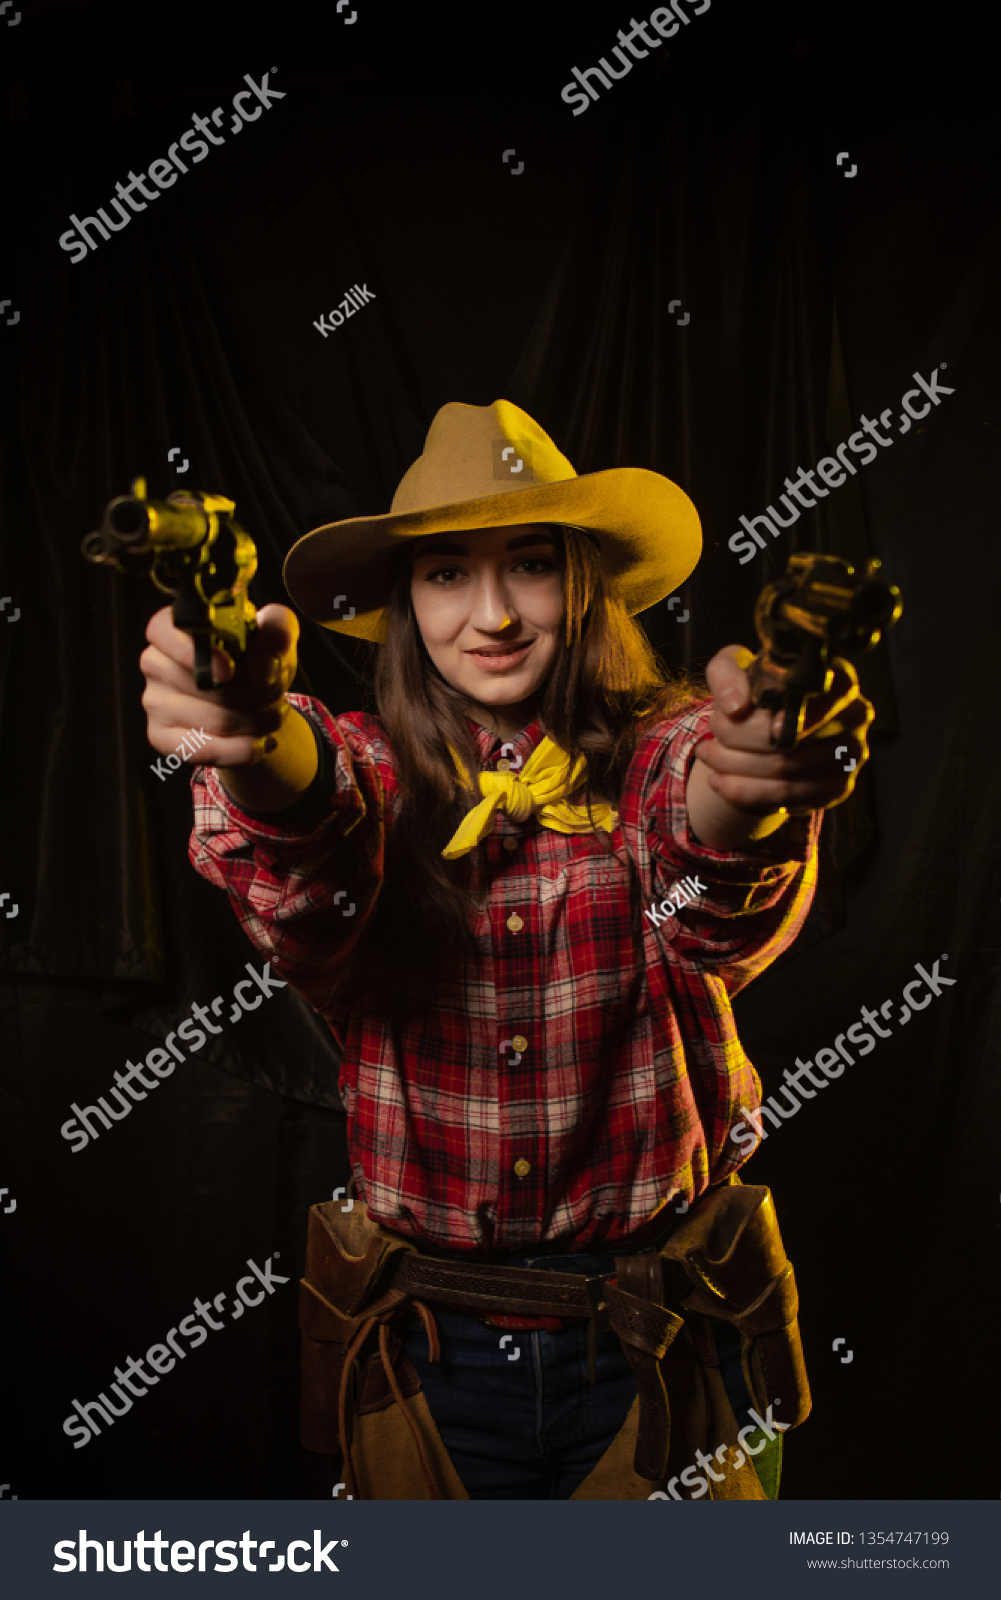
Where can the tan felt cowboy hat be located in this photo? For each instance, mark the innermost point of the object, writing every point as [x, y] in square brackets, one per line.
[490, 467]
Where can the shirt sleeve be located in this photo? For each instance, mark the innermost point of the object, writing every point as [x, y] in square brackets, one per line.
[304, 882]
[748, 905]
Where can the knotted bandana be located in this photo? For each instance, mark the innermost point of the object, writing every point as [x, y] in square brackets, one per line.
[538, 790]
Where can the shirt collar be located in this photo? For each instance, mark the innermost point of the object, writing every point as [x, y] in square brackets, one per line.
[489, 745]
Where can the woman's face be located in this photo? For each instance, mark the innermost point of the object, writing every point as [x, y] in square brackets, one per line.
[489, 605]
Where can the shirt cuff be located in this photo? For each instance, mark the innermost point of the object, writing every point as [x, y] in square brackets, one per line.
[309, 807]
[309, 815]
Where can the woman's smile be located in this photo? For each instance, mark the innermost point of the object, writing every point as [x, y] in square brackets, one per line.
[498, 657]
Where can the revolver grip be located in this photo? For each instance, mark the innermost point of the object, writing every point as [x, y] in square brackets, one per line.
[203, 661]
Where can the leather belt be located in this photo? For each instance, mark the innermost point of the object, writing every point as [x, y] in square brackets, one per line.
[644, 1325]
[510, 1291]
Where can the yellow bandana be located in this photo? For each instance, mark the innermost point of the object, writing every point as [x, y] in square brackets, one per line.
[539, 789]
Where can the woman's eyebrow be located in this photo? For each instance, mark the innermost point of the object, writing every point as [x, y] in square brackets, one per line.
[530, 538]
[442, 547]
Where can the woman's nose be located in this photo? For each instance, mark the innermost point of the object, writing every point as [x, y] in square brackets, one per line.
[492, 609]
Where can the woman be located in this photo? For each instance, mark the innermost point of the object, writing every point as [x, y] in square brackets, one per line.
[522, 896]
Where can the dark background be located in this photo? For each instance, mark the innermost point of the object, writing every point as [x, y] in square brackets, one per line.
[707, 175]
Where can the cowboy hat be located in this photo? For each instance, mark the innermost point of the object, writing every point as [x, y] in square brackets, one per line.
[490, 467]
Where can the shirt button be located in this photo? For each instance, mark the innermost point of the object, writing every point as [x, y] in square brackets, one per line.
[503, 764]
[519, 1042]
[510, 841]
[522, 1168]
[515, 924]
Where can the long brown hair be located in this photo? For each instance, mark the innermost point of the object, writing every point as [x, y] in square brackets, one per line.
[604, 686]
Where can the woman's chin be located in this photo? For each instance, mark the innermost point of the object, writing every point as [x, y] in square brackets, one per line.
[501, 691]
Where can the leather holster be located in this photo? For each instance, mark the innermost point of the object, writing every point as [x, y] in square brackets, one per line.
[348, 1258]
[725, 1260]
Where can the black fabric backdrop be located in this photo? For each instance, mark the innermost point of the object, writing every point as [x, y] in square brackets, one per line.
[707, 176]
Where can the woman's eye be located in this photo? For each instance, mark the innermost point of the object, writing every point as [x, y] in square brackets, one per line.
[443, 575]
[536, 564]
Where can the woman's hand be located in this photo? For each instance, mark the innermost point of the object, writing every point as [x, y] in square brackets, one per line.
[742, 787]
[265, 746]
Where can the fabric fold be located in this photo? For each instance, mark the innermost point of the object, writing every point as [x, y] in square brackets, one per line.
[539, 790]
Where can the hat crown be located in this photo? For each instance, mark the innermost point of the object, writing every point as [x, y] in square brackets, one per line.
[475, 451]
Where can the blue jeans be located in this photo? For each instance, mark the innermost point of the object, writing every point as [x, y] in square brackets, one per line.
[532, 1428]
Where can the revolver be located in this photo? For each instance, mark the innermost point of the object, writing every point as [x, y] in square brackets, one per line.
[194, 549]
[819, 610]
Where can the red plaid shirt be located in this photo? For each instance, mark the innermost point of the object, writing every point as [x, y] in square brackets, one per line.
[535, 1104]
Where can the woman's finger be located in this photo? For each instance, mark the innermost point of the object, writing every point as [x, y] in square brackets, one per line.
[179, 647]
[167, 710]
[804, 762]
[762, 797]
[727, 680]
[157, 666]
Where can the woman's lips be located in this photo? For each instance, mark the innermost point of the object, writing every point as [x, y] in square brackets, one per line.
[499, 661]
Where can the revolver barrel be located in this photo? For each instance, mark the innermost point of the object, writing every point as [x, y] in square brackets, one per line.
[134, 526]
[130, 521]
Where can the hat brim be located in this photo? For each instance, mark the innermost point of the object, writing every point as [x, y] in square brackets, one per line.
[647, 529]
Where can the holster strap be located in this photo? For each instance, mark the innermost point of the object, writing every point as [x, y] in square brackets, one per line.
[640, 1282]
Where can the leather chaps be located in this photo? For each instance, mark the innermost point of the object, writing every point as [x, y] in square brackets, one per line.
[362, 1399]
